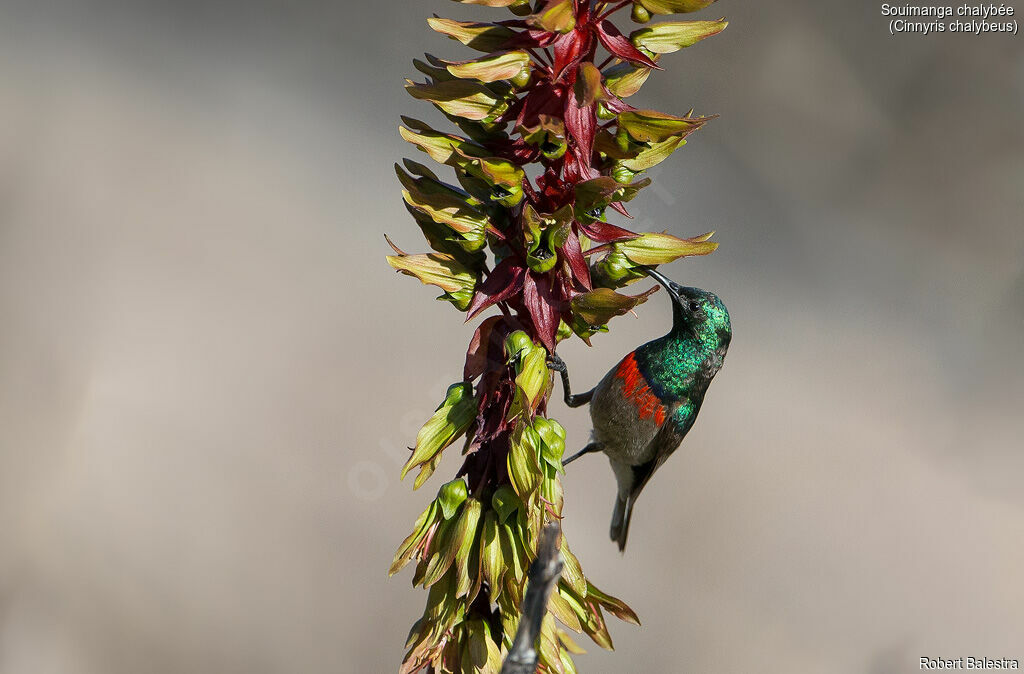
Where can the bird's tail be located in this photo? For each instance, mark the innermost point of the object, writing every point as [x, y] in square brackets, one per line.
[620, 521]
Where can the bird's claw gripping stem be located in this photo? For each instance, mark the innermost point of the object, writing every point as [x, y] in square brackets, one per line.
[558, 365]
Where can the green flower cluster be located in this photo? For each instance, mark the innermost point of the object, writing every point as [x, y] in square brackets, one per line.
[464, 544]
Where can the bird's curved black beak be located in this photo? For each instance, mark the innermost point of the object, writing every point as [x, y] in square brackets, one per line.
[669, 285]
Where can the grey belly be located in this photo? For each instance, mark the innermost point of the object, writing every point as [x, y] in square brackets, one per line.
[626, 438]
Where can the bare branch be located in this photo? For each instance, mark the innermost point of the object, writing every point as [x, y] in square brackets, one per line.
[544, 574]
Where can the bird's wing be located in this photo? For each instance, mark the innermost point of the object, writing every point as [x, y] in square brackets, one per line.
[665, 441]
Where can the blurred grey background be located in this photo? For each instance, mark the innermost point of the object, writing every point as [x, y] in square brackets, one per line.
[208, 374]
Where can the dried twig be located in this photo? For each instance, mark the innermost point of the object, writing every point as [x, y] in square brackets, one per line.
[544, 574]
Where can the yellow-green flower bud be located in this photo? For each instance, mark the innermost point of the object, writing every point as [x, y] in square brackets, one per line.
[640, 13]
[553, 148]
[543, 260]
[522, 78]
[473, 240]
[521, 8]
[557, 428]
[505, 502]
[543, 427]
[623, 174]
[614, 271]
[517, 342]
[564, 331]
[451, 495]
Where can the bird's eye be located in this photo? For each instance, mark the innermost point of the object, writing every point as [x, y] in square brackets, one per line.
[694, 307]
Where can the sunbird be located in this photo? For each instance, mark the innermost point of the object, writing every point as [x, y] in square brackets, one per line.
[644, 407]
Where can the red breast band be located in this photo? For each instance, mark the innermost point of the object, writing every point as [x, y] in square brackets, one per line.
[635, 388]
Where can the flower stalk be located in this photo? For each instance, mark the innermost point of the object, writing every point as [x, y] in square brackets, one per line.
[549, 92]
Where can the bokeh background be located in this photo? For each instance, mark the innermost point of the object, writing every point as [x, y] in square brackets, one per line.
[208, 375]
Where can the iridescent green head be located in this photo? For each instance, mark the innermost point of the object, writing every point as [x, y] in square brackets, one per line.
[697, 312]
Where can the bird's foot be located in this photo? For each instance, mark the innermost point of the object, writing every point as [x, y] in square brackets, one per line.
[592, 447]
[556, 363]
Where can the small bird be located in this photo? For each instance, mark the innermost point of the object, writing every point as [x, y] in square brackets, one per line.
[643, 408]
